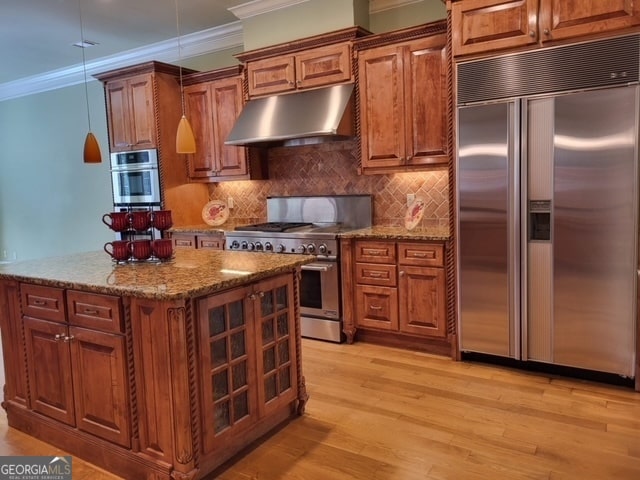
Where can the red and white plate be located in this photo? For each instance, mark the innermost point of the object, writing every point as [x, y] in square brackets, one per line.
[215, 213]
[414, 214]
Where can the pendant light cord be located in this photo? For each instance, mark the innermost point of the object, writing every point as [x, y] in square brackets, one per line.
[84, 63]
[179, 56]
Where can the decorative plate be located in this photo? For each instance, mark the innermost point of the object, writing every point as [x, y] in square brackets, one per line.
[414, 214]
[215, 213]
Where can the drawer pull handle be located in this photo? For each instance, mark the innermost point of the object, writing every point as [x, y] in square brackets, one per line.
[90, 311]
[375, 274]
[419, 255]
[375, 307]
[39, 303]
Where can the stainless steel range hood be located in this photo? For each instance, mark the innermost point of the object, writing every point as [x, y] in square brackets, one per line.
[312, 116]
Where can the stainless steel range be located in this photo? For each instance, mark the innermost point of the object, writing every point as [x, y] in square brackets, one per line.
[309, 225]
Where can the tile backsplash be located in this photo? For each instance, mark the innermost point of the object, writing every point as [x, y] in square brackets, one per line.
[331, 169]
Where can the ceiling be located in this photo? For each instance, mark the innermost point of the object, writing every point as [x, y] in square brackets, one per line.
[37, 36]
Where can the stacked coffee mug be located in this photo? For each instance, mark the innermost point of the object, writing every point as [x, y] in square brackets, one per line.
[123, 251]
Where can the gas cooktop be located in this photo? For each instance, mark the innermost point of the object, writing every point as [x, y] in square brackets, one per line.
[272, 226]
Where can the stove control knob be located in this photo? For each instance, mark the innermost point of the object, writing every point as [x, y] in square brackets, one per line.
[268, 247]
[244, 245]
[280, 248]
[252, 246]
[259, 246]
[311, 248]
[300, 249]
[234, 245]
[322, 249]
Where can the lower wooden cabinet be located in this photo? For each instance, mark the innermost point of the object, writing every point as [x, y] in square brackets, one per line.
[247, 346]
[399, 288]
[198, 240]
[77, 375]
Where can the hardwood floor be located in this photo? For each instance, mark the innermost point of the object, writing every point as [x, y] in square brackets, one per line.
[378, 413]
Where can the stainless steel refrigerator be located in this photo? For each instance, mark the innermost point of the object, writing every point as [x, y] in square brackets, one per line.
[547, 222]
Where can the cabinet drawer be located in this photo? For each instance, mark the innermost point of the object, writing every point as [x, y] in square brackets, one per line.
[376, 274]
[215, 242]
[182, 240]
[421, 254]
[43, 302]
[92, 310]
[376, 252]
[377, 307]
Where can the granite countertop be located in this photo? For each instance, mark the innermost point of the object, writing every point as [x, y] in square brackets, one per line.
[440, 234]
[191, 273]
[204, 228]
[380, 232]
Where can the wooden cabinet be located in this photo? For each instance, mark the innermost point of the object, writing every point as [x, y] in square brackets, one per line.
[214, 241]
[306, 69]
[403, 104]
[76, 360]
[130, 113]
[486, 25]
[212, 109]
[399, 288]
[248, 350]
[144, 107]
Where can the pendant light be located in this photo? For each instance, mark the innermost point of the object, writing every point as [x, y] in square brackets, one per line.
[185, 141]
[91, 148]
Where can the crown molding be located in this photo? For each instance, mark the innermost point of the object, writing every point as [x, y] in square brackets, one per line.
[377, 6]
[191, 45]
[258, 7]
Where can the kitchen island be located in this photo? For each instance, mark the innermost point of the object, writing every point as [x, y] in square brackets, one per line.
[152, 370]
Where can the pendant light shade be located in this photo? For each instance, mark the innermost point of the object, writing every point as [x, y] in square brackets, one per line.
[185, 141]
[91, 149]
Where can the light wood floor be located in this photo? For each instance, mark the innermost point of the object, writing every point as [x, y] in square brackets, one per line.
[378, 413]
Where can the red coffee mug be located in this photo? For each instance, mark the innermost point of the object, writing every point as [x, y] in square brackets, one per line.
[119, 221]
[161, 219]
[162, 248]
[119, 250]
[141, 220]
[140, 249]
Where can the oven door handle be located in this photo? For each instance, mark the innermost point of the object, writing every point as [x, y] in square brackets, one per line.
[318, 267]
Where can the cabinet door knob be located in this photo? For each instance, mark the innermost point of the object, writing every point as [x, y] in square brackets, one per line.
[401, 273]
[532, 34]
[546, 31]
[59, 336]
[68, 339]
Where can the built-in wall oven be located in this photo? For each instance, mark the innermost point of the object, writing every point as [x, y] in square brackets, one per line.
[135, 178]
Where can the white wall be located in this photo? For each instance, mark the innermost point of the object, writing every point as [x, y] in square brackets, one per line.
[50, 201]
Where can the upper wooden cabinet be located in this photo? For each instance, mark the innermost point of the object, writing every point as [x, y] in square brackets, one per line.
[130, 113]
[143, 105]
[212, 107]
[306, 63]
[403, 103]
[486, 25]
[307, 69]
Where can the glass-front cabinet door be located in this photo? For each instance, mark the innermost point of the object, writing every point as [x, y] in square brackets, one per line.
[247, 356]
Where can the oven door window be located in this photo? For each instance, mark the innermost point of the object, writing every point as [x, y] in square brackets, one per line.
[311, 289]
[135, 184]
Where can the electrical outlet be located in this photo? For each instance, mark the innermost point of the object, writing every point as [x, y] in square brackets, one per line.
[230, 202]
[410, 198]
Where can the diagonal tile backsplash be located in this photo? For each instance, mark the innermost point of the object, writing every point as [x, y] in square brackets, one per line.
[331, 169]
